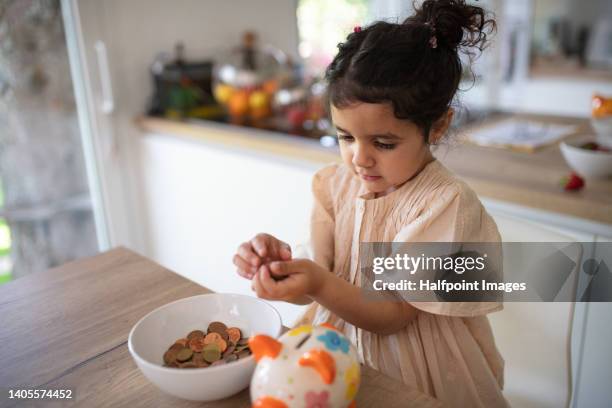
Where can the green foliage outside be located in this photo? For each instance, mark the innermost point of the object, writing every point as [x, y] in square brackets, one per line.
[5, 243]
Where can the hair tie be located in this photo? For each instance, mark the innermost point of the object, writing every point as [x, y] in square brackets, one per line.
[433, 40]
[357, 29]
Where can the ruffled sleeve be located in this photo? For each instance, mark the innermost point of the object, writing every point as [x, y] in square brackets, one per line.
[454, 215]
[322, 221]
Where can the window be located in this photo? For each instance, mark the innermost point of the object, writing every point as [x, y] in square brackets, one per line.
[322, 24]
[5, 244]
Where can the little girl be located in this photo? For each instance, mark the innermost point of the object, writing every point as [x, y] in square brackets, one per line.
[390, 89]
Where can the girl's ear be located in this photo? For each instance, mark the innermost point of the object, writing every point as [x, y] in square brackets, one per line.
[440, 127]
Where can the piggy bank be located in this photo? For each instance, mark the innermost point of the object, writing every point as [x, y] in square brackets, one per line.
[309, 366]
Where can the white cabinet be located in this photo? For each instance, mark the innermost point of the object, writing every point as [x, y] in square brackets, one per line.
[555, 336]
[594, 352]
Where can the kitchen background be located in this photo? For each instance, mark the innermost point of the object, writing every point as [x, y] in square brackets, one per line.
[114, 130]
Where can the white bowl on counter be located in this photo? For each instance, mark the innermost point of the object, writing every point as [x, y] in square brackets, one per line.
[603, 129]
[587, 163]
[154, 333]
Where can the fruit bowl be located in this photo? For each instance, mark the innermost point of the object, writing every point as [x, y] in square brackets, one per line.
[587, 158]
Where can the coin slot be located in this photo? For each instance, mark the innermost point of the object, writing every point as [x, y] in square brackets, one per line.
[302, 341]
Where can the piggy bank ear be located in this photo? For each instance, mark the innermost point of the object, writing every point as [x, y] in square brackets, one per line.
[322, 362]
[329, 326]
[268, 402]
[264, 346]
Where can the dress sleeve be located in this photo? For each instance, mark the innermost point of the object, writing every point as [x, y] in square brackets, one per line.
[322, 220]
[454, 215]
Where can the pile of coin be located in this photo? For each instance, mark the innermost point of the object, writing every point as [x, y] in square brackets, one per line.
[219, 345]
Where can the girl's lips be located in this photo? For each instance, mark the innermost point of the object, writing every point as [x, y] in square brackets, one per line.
[369, 178]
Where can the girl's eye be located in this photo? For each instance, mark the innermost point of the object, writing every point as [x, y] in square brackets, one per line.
[387, 146]
[345, 138]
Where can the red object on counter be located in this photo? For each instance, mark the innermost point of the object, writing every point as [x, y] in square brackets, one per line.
[573, 182]
[296, 115]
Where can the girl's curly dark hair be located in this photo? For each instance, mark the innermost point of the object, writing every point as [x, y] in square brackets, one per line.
[404, 65]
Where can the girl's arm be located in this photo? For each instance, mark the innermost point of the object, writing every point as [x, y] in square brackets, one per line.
[307, 278]
[350, 303]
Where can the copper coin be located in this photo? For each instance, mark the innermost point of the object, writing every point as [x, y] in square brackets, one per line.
[211, 353]
[218, 362]
[229, 350]
[170, 356]
[197, 344]
[212, 338]
[182, 342]
[174, 364]
[176, 347]
[217, 327]
[244, 353]
[195, 334]
[234, 334]
[198, 359]
[238, 349]
[221, 344]
[184, 355]
[188, 364]
[243, 341]
[231, 357]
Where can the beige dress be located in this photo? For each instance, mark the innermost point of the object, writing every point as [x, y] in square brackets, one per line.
[448, 351]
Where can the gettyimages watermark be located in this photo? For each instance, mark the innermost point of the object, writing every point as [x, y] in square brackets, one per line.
[486, 272]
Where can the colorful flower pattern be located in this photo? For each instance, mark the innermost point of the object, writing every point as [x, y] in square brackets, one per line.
[299, 330]
[314, 400]
[334, 342]
[351, 379]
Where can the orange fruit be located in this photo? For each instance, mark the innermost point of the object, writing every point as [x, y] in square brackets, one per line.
[602, 106]
[238, 103]
[223, 93]
[258, 99]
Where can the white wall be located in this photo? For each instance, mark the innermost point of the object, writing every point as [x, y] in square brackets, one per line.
[138, 29]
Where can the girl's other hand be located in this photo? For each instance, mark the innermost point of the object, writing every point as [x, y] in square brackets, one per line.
[300, 277]
[260, 250]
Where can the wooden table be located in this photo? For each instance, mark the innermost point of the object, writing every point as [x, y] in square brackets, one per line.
[67, 328]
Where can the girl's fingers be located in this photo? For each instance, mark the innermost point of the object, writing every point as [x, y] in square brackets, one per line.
[268, 284]
[283, 289]
[283, 250]
[258, 288]
[243, 268]
[260, 244]
[246, 252]
[289, 267]
[265, 246]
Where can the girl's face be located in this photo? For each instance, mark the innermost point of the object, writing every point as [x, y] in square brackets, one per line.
[383, 151]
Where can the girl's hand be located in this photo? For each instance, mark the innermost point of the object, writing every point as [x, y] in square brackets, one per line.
[300, 277]
[262, 249]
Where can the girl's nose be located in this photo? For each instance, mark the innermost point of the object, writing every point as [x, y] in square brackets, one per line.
[362, 157]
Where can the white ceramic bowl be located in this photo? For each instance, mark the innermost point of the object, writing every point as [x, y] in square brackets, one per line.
[603, 128]
[587, 163]
[155, 332]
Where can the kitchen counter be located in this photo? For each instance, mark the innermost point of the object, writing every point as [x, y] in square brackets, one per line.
[67, 328]
[527, 179]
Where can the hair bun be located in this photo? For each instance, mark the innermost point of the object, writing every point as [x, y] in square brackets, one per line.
[454, 23]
